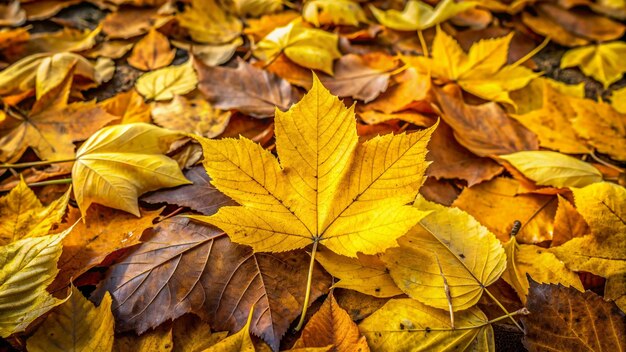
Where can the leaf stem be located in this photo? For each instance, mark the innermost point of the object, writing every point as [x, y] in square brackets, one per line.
[607, 164]
[307, 295]
[504, 309]
[531, 53]
[34, 163]
[61, 181]
[420, 34]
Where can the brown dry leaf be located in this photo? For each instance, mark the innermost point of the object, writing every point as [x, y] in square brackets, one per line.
[451, 160]
[553, 123]
[152, 52]
[195, 116]
[601, 126]
[483, 129]
[496, 205]
[568, 223]
[128, 106]
[565, 319]
[211, 55]
[246, 88]
[182, 268]
[113, 49]
[52, 126]
[331, 325]
[441, 192]
[411, 86]
[44, 9]
[200, 196]
[103, 231]
[130, 22]
[11, 14]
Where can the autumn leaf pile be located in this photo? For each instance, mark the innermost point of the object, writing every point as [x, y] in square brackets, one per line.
[320, 175]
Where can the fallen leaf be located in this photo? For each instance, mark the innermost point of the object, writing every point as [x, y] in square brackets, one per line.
[208, 23]
[28, 266]
[259, 28]
[256, 8]
[11, 14]
[308, 47]
[366, 273]
[113, 49]
[246, 88]
[76, 325]
[285, 209]
[195, 116]
[484, 129]
[65, 40]
[23, 216]
[157, 340]
[119, 163]
[545, 93]
[200, 196]
[525, 261]
[165, 83]
[568, 223]
[411, 86]
[237, 342]
[601, 61]
[448, 248]
[211, 55]
[418, 15]
[129, 23]
[565, 319]
[152, 52]
[554, 169]
[194, 260]
[333, 12]
[191, 334]
[451, 160]
[331, 325]
[408, 325]
[128, 106]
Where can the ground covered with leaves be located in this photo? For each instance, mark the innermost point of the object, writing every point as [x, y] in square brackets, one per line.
[326, 175]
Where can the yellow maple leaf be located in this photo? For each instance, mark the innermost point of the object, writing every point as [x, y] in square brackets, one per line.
[76, 325]
[308, 47]
[418, 15]
[604, 62]
[482, 71]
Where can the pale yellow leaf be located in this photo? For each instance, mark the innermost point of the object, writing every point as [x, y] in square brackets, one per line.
[603, 62]
[208, 23]
[166, 82]
[191, 115]
[418, 15]
[337, 12]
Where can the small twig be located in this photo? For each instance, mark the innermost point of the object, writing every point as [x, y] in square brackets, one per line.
[605, 163]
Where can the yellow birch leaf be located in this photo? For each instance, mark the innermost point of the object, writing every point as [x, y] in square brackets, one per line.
[308, 47]
[418, 15]
[548, 168]
[618, 100]
[543, 266]
[75, 325]
[119, 163]
[366, 274]
[603, 252]
[408, 325]
[208, 23]
[238, 342]
[603, 62]
[152, 52]
[194, 116]
[336, 12]
[166, 82]
[332, 325]
[448, 248]
[327, 189]
[22, 215]
[27, 267]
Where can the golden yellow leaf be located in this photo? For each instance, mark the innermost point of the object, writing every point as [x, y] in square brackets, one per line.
[191, 334]
[75, 325]
[482, 71]
[568, 223]
[152, 52]
[208, 23]
[22, 215]
[119, 163]
[337, 12]
[533, 96]
[27, 267]
[194, 116]
[548, 168]
[308, 47]
[256, 8]
[166, 82]
[601, 126]
[604, 62]
[448, 253]
[129, 106]
[65, 40]
[418, 15]
[331, 325]
[327, 189]
[540, 264]
[408, 325]
[238, 342]
[155, 340]
[552, 123]
[366, 274]
[603, 252]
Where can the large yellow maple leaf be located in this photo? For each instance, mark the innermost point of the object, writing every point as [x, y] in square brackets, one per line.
[326, 189]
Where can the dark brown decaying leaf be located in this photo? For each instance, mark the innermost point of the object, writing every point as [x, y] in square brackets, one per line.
[188, 267]
[200, 196]
[483, 129]
[565, 319]
[246, 88]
